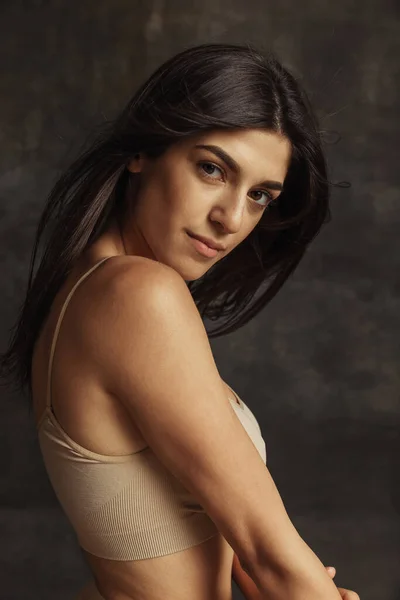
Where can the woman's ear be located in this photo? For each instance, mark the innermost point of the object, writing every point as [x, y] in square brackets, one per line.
[135, 165]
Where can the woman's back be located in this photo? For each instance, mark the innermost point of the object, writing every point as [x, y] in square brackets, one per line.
[143, 533]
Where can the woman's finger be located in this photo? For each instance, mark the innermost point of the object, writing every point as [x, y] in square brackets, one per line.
[348, 594]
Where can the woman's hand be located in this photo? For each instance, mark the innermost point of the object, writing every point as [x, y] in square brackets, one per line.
[346, 594]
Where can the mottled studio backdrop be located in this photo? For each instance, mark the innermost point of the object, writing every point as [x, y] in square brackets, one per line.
[320, 366]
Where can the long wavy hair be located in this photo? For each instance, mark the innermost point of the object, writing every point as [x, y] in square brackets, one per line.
[205, 87]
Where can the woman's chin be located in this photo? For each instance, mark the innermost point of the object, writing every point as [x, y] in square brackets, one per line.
[188, 272]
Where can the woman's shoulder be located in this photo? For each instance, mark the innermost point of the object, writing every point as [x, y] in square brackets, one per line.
[128, 291]
[113, 278]
[120, 271]
[134, 302]
[132, 283]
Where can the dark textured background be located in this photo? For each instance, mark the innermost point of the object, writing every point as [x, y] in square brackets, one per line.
[320, 366]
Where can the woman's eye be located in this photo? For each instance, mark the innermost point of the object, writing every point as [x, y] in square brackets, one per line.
[208, 169]
[269, 196]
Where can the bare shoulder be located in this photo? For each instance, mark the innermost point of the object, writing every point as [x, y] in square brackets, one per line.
[127, 286]
[130, 279]
[121, 272]
[135, 300]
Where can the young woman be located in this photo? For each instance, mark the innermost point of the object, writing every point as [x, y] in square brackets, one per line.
[196, 203]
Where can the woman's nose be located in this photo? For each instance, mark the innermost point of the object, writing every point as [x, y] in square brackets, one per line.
[229, 212]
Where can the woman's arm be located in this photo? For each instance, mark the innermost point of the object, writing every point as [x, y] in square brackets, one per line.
[151, 350]
[244, 581]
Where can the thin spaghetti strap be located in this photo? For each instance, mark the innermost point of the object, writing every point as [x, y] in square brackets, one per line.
[57, 328]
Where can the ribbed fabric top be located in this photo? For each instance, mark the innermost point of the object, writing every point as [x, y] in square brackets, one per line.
[126, 507]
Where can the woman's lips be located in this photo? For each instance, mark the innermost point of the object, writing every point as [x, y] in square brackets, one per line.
[202, 248]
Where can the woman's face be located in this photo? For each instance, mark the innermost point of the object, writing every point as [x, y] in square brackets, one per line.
[191, 190]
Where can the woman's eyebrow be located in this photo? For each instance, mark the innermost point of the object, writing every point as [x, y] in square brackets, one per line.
[234, 166]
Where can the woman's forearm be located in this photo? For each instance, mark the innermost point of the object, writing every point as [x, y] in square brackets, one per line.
[299, 576]
[244, 582]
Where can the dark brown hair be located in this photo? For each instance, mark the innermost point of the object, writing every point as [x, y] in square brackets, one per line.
[206, 87]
